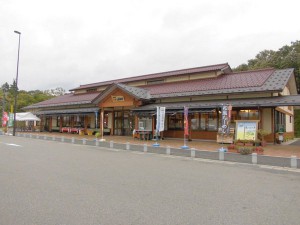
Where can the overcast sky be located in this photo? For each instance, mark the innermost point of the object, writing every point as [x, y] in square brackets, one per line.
[65, 43]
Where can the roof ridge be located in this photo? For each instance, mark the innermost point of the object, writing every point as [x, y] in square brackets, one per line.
[253, 70]
[120, 80]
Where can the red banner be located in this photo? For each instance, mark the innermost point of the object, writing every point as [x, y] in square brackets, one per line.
[4, 119]
[186, 121]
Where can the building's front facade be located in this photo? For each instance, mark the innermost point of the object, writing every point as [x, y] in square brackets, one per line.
[121, 106]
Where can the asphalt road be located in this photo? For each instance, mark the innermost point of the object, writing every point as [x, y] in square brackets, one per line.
[51, 183]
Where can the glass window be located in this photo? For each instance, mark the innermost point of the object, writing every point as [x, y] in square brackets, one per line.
[175, 122]
[248, 114]
[195, 121]
[212, 121]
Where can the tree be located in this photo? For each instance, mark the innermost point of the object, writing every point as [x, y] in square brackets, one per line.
[25, 98]
[287, 56]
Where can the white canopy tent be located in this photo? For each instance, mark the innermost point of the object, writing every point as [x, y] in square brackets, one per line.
[26, 116]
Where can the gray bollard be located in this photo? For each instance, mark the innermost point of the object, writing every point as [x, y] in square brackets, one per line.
[193, 153]
[145, 148]
[127, 146]
[30, 135]
[294, 161]
[111, 144]
[168, 150]
[53, 138]
[83, 141]
[45, 137]
[254, 158]
[62, 139]
[37, 137]
[221, 155]
[73, 140]
[96, 142]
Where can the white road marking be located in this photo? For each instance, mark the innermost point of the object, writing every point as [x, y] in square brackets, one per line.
[11, 144]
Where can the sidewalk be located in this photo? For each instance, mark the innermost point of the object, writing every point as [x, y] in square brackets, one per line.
[282, 150]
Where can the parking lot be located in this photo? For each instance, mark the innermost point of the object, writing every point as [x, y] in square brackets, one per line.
[46, 182]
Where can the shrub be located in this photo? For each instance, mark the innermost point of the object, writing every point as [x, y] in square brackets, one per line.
[245, 150]
[97, 134]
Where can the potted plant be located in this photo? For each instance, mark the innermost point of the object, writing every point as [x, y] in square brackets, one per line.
[261, 135]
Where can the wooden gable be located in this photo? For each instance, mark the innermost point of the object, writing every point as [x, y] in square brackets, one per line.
[119, 98]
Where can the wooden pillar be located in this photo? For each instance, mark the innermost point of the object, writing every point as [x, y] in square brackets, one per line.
[50, 124]
[85, 122]
[190, 127]
[61, 122]
[136, 122]
[113, 123]
[41, 123]
[102, 122]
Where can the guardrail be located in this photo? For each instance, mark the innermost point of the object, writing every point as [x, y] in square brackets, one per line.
[254, 158]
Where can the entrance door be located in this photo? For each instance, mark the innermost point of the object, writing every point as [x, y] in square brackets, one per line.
[123, 123]
[118, 123]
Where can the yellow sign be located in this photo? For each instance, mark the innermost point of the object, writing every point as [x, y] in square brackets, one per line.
[117, 98]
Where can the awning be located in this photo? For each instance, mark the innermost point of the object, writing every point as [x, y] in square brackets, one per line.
[291, 100]
[68, 111]
[26, 116]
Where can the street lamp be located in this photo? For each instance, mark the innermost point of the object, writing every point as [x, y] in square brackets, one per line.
[16, 87]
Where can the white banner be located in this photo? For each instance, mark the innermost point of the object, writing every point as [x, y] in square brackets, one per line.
[162, 113]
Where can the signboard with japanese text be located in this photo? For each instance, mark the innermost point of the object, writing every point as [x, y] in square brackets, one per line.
[246, 130]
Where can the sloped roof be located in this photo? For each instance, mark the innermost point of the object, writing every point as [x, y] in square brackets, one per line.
[138, 93]
[249, 81]
[67, 99]
[224, 66]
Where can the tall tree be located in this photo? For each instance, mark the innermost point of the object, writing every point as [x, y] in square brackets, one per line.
[287, 56]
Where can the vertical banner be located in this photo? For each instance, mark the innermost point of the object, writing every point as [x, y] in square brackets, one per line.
[226, 116]
[4, 119]
[11, 120]
[157, 119]
[186, 121]
[162, 113]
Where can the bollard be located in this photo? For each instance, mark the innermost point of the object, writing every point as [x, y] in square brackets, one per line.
[145, 148]
[83, 141]
[45, 137]
[30, 136]
[221, 155]
[254, 158]
[73, 140]
[96, 142]
[168, 150]
[294, 161]
[111, 144]
[62, 139]
[127, 146]
[37, 137]
[53, 138]
[193, 153]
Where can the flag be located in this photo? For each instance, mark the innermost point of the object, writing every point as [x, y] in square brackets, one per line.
[162, 113]
[186, 121]
[4, 119]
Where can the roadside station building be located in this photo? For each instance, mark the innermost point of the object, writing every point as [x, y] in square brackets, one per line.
[121, 106]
